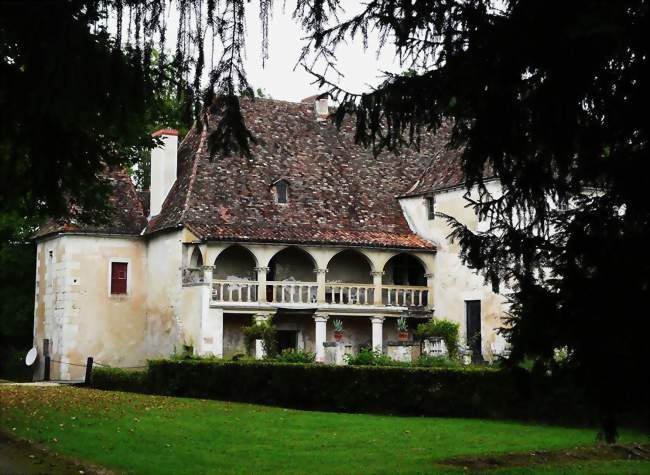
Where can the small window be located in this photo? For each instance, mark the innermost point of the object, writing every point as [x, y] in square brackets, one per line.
[119, 272]
[431, 207]
[281, 191]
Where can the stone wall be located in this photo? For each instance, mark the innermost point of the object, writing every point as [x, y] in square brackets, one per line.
[75, 310]
[454, 282]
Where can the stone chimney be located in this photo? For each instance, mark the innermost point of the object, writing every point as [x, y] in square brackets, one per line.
[321, 105]
[163, 169]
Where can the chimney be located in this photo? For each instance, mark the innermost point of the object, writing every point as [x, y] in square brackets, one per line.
[321, 105]
[163, 169]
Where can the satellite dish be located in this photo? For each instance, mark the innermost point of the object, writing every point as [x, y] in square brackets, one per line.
[31, 356]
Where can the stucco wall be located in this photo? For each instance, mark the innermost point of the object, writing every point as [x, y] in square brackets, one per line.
[233, 337]
[74, 307]
[166, 315]
[455, 283]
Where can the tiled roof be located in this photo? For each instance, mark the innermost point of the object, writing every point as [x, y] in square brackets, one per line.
[339, 192]
[127, 216]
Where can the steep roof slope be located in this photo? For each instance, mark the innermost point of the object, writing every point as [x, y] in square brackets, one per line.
[339, 193]
[126, 217]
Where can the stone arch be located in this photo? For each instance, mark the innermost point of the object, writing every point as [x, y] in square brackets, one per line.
[235, 263]
[404, 269]
[196, 258]
[292, 263]
[350, 265]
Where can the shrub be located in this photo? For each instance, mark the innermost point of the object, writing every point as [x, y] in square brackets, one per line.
[368, 357]
[446, 329]
[426, 361]
[12, 365]
[120, 380]
[265, 331]
[296, 356]
[433, 391]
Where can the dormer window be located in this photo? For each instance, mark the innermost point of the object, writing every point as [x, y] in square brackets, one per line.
[281, 191]
[431, 207]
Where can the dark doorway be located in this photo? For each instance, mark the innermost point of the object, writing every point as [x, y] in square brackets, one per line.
[286, 339]
[473, 313]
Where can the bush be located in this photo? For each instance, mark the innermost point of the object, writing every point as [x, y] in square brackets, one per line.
[368, 357]
[12, 365]
[120, 380]
[426, 361]
[446, 329]
[296, 356]
[396, 390]
[454, 392]
[265, 331]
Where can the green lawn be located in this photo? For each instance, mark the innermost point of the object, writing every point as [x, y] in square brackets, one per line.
[151, 434]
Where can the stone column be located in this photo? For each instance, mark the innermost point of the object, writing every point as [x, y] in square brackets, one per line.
[320, 336]
[377, 333]
[211, 319]
[430, 285]
[376, 280]
[260, 353]
[320, 279]
[261, 283]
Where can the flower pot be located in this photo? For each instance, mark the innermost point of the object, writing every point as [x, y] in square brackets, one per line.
[403, 336]
[338, 336]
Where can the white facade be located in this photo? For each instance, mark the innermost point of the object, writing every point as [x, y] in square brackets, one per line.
[184, 291]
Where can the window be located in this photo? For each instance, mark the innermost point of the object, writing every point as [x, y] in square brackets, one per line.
[119, 273]
[281, 191]
[431, 207]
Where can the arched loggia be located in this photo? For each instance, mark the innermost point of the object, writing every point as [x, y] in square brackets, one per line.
[289, 265]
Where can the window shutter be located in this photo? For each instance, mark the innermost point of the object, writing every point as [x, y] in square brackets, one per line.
[118, 277]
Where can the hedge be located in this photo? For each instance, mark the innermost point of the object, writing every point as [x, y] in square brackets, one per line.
[458, 392]
[120, 380]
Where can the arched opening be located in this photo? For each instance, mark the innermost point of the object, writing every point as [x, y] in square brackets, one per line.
[292, 264]
[404, 269]
[349, 266]
[196, 259]
[406, 273]
[286, 267]
[233, 268]
[234, 263]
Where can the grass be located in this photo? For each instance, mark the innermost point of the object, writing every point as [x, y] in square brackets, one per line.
[125, 431]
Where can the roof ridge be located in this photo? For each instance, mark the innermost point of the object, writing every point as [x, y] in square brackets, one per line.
[190, 186]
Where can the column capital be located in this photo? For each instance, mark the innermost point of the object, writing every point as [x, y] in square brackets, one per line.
[321, 317]
[262, 316]
[207, 267]
[323, 270]
[429, 275]
[377, 273]
[261, 269]
[377, 320]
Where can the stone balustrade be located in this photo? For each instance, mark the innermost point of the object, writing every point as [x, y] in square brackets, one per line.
[307, 293]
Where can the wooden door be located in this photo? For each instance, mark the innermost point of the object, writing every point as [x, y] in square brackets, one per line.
[473, 315]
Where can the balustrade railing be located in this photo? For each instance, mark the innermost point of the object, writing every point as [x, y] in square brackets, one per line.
[234, 291]
[350, 294]
[404, 295]
[288, 292]
[291, 292]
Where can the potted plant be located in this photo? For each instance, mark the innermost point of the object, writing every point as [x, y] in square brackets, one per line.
[338, 330]
[403, 329]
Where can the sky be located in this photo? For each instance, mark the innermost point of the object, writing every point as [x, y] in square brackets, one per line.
[278, 78]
